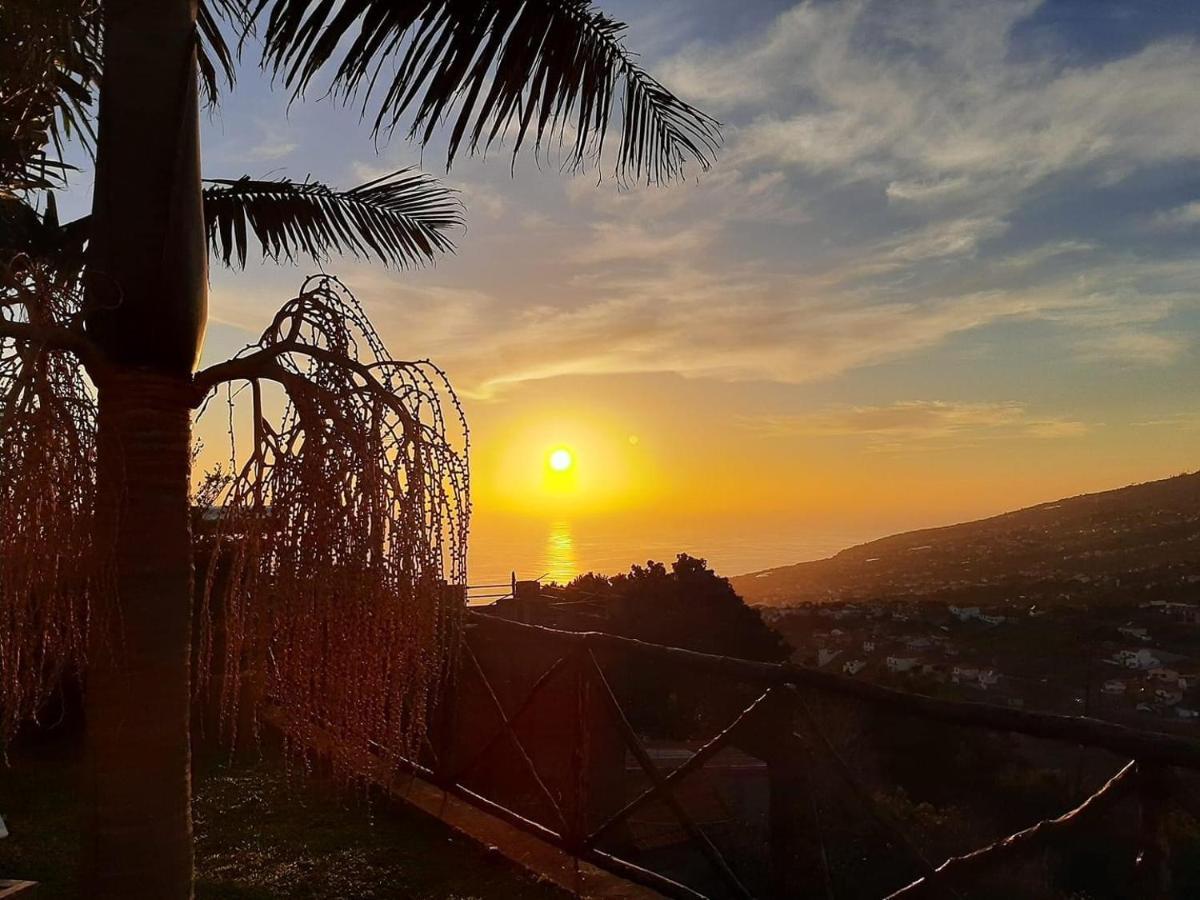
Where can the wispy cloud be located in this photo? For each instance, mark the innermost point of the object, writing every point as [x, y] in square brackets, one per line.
[1135, 347]
[271, 150]
[1186, 421]
[941, 102]
[948, 238]
[1178, 218]
[905, 424]
[625, 242]
[736, 326]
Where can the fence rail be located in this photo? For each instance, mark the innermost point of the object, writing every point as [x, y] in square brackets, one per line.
[784, 732]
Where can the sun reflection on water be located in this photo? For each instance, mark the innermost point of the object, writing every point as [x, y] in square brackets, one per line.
[561, 565]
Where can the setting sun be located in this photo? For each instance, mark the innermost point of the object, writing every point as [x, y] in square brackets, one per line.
[561, 460]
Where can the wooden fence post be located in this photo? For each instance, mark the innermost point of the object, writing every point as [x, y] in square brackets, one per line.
[580, 759]
[788, 789]
[770, 735]
[1153, 874]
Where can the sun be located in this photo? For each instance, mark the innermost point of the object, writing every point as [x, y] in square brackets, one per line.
[561, 460]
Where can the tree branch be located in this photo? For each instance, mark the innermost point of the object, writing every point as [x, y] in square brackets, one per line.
[263, 365]
[56, 338]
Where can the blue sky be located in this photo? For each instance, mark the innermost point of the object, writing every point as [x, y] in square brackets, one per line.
[948, 246]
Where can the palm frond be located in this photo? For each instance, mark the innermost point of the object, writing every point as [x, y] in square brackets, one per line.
[50, 53]
[217, 62]
[401, 219]
[40, 235]
[549, 71]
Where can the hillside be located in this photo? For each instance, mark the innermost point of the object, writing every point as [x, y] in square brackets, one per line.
[1117, 546]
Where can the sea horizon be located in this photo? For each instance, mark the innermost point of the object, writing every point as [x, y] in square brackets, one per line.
[557, 549]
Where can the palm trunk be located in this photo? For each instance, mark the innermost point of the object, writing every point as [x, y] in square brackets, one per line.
[138, 677]
[147, 290]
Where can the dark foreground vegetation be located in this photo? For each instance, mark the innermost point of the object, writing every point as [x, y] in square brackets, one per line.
[261, 833]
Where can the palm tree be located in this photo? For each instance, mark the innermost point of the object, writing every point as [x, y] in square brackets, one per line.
[95, 542]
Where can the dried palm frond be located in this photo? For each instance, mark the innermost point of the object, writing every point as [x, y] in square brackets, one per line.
[333, 585]
[47, 486]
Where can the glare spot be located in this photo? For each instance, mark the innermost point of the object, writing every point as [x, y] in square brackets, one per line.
[560, 460]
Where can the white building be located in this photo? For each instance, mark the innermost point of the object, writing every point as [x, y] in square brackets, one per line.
[1141, 658]
[960, 674]
[1114, 686]
[1186, 612]
[1140, 634]
[854, 666]
[901, 663]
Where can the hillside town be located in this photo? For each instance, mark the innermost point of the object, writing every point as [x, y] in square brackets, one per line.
[1117, 548]
[1113, 662]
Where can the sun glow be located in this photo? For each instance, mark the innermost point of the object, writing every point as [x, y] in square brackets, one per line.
[561, 460]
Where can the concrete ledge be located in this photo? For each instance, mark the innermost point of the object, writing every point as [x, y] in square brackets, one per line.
[537, 857]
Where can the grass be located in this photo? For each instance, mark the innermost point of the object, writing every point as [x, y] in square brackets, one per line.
[261, 833]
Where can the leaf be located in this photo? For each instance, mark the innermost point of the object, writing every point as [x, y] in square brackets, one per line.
[400, 219]
[215, 59]
[50, 54]
[550, 72]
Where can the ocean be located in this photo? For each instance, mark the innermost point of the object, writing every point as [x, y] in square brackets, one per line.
[558, 549]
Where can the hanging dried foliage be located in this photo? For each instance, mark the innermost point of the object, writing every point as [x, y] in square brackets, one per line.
[47, 484]
[332, 589]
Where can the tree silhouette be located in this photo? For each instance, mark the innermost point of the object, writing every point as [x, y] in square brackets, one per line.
[348, 519]
[684, 605]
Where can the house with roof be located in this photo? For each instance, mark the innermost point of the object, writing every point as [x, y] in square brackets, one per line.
[961, 674]
[1164, 675]
[1142, 658]
[1185, 612]
[854, 666]
[1167, 696]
